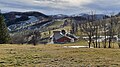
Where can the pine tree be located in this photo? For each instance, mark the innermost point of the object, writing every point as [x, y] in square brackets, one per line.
[4, 34]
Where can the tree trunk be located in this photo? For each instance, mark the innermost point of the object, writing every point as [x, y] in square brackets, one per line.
[94, 44]
[105, 40]
[96, 37]
[90, 40]
[89, 44]
[99, 44]
[109, 46]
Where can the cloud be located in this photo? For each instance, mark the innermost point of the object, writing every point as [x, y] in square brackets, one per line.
[60, 6]
[63, 3]
[104, 5]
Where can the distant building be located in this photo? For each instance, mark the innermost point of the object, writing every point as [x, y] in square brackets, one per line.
[60, 37]
[65, 23]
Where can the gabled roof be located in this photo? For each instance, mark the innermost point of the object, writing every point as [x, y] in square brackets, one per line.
[58, 36]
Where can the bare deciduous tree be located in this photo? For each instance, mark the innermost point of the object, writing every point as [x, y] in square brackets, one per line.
[89, 30]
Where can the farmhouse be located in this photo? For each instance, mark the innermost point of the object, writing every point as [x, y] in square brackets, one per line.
[62, 37]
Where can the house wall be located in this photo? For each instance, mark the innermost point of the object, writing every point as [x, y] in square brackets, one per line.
[63, 40]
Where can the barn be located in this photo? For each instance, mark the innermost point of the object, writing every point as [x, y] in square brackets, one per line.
[59, 37]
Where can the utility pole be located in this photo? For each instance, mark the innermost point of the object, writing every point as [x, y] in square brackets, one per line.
[119, 35]
[0, 12]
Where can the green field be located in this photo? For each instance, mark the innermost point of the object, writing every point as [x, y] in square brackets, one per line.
[56, 24]
[57, 56]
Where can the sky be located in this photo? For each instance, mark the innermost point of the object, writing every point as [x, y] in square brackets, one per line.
[67, 7]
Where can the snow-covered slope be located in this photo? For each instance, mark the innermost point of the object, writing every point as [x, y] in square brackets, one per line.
[22, 24]
[24, 20]
[96, 16]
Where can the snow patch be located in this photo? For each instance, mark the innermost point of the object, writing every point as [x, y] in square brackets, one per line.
[77, 47]
[17, 16]
[32, 19]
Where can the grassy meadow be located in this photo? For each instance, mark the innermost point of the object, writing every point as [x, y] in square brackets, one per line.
[57, 56]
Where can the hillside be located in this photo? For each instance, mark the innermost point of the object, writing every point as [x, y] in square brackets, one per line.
[16, 17]
[25, 20]
[18, 21]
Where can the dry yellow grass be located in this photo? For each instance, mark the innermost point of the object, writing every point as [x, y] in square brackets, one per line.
[57, 56]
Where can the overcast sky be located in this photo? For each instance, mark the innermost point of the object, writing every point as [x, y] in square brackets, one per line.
[61, 6]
